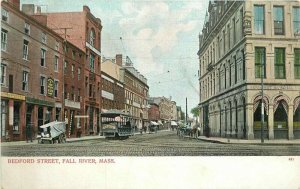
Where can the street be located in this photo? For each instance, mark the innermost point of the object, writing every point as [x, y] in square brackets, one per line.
[165, 143]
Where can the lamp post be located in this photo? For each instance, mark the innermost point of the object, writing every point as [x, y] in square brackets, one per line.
[262, 99]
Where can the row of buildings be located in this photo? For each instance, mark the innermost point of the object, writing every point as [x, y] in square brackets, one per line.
[244, 46]
[52, 69]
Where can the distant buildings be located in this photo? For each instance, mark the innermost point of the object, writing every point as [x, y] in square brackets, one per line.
[241, 42]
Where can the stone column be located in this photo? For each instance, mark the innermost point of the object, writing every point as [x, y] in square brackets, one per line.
[290, 122]
[249, 121]
[240, 122]
[233, 133]
[223, 120]
[271, 122]
[228, 123]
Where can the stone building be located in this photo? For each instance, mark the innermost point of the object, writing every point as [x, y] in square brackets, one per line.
[113, 93]
[31, 78]
[241, 43]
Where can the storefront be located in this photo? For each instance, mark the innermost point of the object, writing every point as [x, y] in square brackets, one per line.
[38, 113]
[12, 119]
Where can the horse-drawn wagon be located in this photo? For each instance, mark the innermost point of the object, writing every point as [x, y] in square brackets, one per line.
[52, 132]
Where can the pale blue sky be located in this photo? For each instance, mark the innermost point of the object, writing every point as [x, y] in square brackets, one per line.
[160, 37]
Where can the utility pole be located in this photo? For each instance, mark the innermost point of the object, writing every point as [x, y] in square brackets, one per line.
[186, 119]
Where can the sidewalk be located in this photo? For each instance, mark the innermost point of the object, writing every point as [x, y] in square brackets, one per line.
[84, 138]
[244, 141]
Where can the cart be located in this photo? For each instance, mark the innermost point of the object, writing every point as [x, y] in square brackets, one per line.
[52, 132]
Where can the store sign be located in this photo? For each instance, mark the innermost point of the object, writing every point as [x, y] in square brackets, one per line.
[12, 96]
[50, 86]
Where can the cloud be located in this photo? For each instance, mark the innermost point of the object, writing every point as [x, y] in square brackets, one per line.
[155, 27]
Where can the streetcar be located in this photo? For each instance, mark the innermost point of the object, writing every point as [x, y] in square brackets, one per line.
[116, 124]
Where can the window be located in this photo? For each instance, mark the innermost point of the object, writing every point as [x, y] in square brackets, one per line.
[279, 63]
[297, 63]
[56, 45]
[3, 74]
[296, 20]
[234, 31]
[55, 88]
[92, 62]
[72, 70]
[42, 85]
[79, 73]
[4, 15]
[25, 50]
[25, 81]
[260, 62]
[56, 63]
[78, 96]
[278, 20]
[92, 37]
[259, 19]
[73, 54]
[66, 67]
[72, 93]
[43, 57]
[27, 28]
[3, 40]
[44, 37]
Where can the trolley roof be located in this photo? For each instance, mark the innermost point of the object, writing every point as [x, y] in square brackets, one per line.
[114, 113]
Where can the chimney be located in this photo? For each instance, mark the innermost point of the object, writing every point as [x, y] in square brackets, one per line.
[86, 9]
[28, 9]
[38, 10]
[15, 3]
[119, 59]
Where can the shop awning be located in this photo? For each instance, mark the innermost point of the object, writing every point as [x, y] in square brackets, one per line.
[153, 123]
[173, 123]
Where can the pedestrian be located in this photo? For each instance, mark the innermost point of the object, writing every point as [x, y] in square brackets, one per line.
[29, 132]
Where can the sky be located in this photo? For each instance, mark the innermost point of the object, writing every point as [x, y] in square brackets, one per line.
[159, 36]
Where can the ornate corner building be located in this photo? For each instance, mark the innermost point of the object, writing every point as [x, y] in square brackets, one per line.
[249, 53]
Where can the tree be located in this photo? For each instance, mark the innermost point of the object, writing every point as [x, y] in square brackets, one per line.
[182, 116]
[195, 111]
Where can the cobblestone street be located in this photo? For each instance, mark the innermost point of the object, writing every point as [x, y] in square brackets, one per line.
[159, 144]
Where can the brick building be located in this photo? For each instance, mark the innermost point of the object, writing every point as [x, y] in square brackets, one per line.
[136, 92]
[74, 65]
[31, 81]
[153, 112]
[85, 34]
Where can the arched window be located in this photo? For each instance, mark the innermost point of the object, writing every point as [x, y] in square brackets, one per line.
[92, 37]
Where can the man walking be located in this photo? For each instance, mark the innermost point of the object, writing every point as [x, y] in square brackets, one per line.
[28, 132]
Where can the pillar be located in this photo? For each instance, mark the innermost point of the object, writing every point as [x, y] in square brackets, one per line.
[35, 119]
[233, 132]
[249, 121]
[290, 123]
[271, 122]
[240, 122]
[10, 117]
[22, 124]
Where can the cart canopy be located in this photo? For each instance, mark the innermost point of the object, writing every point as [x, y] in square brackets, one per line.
[56, 128]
